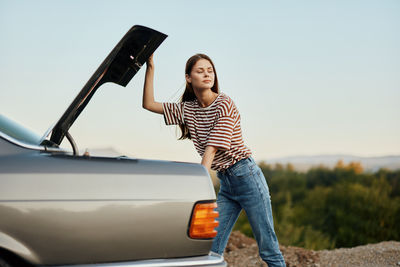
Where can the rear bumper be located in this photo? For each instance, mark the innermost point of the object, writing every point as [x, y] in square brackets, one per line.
[211, 260]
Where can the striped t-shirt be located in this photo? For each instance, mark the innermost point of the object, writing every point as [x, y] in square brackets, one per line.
[217, 125]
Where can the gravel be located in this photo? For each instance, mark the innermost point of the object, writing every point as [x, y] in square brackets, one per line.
[381, 254]
[242, 251]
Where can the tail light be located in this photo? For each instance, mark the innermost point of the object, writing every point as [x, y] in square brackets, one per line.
[203, 223]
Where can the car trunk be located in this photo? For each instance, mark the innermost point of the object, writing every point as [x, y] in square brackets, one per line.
[103, 209]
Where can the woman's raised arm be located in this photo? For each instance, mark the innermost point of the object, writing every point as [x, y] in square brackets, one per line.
[148, 89]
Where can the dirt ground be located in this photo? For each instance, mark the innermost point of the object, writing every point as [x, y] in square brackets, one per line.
[242, 251]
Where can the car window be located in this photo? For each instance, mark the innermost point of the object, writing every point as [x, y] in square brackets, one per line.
[18, 132]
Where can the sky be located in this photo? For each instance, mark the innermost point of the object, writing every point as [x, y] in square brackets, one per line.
[308, 77]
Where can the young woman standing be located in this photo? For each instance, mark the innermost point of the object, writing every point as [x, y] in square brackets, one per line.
[211, 120]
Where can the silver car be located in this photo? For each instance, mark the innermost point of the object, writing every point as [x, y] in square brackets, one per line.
[59, 208]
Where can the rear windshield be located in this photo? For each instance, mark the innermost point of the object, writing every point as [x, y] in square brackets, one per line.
[18, 132]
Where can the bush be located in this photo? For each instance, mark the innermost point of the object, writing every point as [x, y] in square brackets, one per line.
[324, 209]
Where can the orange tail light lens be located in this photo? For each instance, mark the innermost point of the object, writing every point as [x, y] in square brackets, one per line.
[203, 221]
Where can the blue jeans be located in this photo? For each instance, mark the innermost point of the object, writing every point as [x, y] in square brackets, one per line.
[243, 186]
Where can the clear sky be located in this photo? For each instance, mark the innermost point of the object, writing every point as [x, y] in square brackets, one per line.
[308, 77]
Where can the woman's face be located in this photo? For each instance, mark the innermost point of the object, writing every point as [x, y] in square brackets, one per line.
[202, 75]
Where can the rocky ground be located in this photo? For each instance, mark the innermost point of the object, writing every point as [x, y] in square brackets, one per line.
[242, 251]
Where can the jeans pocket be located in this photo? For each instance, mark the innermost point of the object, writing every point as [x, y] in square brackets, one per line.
[242, 170]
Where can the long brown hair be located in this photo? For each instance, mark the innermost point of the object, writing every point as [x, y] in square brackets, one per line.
[189, 95]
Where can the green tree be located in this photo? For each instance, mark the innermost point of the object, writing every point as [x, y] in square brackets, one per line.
[351, 213]
[325, 208]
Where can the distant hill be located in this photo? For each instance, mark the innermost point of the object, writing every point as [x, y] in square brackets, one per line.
[370, 164]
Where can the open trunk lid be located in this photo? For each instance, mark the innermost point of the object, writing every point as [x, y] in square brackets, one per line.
[124, 61]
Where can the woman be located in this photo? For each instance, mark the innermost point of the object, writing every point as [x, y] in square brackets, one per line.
[210, 119]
